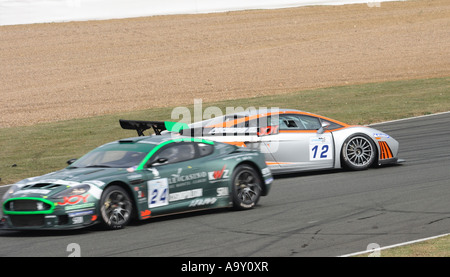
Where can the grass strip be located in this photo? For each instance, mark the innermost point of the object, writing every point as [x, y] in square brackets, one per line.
[435, 247]
[42, 148]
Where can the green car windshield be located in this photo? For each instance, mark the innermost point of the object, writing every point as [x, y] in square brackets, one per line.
[115, 155]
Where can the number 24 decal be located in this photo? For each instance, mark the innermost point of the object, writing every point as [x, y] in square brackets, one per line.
[320, 152]
[157, 197]
[158, 191]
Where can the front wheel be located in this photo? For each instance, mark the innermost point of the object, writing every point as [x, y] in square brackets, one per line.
[246, 187]
[358, 152]
[116, 207]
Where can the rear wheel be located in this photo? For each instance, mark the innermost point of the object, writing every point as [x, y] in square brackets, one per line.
[358, 152]
[247, 186]
[116, 207]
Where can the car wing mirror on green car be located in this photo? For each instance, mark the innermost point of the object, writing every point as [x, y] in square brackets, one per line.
[71, 161]
[158, 161]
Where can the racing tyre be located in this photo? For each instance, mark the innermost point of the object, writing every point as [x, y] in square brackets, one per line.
[116, 207]
[358, 152]
[246, 187]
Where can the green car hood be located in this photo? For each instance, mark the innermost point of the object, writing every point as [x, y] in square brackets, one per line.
[58, 181]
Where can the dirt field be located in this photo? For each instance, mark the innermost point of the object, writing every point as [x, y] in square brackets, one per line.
[60, 71]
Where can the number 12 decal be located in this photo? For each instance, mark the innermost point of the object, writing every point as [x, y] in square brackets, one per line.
[320, 152]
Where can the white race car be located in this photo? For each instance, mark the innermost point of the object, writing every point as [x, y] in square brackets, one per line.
[295, 141]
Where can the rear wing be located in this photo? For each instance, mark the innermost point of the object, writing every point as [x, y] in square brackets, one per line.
[158, 126]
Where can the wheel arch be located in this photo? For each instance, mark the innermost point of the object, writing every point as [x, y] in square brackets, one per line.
[127, 188]
[347, 138]
[258, 171]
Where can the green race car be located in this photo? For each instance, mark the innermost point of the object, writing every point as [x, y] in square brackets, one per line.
[139, 177]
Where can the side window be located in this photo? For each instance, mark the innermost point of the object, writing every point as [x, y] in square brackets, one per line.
[331, 125]
[252, 126]
[260, 122]
[299, 122]
[205, 149]
[176, 152]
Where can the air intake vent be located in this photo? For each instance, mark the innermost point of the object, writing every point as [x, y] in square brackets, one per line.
[27, 205]
[385, 151]
[27, 220]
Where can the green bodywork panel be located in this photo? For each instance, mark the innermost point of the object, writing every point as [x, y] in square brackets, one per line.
[203, 182]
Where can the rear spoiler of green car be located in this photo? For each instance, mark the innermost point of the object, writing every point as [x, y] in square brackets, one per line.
[158, 126]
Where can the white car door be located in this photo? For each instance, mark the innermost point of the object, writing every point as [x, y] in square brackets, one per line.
[298, 144]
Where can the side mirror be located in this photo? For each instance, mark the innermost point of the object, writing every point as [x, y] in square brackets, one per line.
[324, 127]
[158, 161]
[71, 161]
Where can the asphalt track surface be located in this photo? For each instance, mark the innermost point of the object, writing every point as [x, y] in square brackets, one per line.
[329, 213]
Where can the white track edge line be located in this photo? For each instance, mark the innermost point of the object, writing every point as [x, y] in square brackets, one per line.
[394, 245]
[408, 118]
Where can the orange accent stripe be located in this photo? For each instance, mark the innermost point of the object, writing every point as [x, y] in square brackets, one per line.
[232, 123]
[237, 143]
[276, 163]
[298, 131]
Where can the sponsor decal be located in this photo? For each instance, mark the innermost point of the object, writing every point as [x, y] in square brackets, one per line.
[139, 192]
[203, 202]
[37, 191]
[185, 194]
[269, 130]
[265, 171]
[81, 213]
[219, 175]
[178, 178]
[74, 199]
[317, 140]
[238, 130]
[380, 135]
[79, 206]
[222, 192]
[145, 214]
[77, 220]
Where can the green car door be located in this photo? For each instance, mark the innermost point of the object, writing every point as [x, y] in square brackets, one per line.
[178, 179]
